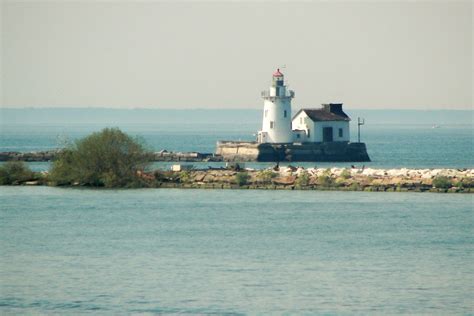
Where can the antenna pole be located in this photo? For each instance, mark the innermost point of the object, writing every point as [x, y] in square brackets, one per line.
[359, 123]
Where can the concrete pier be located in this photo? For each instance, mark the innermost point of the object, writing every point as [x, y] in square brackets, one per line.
[288, 152]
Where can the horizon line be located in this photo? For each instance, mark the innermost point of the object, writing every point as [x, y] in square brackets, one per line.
[207, 109]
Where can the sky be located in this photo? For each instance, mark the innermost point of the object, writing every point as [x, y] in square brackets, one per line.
[191, 54]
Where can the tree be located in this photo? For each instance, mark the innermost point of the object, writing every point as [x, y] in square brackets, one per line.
[107, 158]
[13, 172]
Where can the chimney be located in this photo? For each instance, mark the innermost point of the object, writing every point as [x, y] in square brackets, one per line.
[335, 108]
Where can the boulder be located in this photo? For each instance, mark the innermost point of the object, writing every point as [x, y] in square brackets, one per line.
[289, 180]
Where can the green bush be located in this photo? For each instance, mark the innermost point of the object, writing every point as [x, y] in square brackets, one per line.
[325, 181]
[242, 178]
[265, 176]
[303, 179]
[441, 182]
[346, 174]
[107, 158]
[184, 176]
[13, 172]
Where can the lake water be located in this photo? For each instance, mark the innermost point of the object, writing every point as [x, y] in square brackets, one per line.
[394, 138]
[70, 251]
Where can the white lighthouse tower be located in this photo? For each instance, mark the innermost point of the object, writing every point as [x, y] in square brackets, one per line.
[276, 127]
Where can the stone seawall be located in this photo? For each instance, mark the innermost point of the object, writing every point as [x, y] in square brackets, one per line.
[323, 152]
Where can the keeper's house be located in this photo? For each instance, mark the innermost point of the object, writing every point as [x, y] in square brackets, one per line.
[328, 124]
[311, 135]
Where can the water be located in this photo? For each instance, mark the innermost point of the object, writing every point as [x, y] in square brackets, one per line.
[69, 251]
[394, 138]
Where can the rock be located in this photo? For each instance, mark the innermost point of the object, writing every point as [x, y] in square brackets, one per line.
[199, 177]
[208, 178]
[31, 183]
[289, 180]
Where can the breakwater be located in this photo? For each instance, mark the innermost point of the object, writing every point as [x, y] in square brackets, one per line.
[163, 155]
[343, 179]
[299, 178]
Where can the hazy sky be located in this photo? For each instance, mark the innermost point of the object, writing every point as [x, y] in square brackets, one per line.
[405, 54]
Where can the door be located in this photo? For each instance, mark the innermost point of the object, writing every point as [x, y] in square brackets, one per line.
[327, 134]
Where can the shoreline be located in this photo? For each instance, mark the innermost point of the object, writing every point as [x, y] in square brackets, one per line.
[292, 178]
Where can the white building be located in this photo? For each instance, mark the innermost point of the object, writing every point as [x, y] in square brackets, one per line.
[276, 126]
[327, 124]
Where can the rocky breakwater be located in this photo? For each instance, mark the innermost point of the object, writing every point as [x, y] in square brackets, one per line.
[163, 155]
[353, 179]
[28, 156]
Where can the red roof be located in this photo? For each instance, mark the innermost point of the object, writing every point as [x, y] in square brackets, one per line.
[277, 73]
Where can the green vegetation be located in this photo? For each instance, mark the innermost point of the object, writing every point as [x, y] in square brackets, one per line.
[242, 178]
[303, 179]
[442, 182]
[464, 183]
[16, 172]
[325, 180]
[265, 176]
[184, 176]
[107, 158]
[346, 174]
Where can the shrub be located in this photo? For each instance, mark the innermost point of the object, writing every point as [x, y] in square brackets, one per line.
[15, 172]
[108, 158]
[345, 174]
[303, 179]
[325, 181]
[265, 176]
[354, 187]
[242, 178]
[441, 182]
[184, 176]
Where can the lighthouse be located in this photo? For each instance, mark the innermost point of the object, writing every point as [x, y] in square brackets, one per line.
[276, 125]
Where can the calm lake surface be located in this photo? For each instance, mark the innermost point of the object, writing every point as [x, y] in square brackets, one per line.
[394, 138]
[70, 251]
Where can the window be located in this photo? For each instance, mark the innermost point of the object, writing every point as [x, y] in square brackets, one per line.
[284, 113]
[272, 124]
[297, 135]
[340, 132]
[301, 120]
[309, 134]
